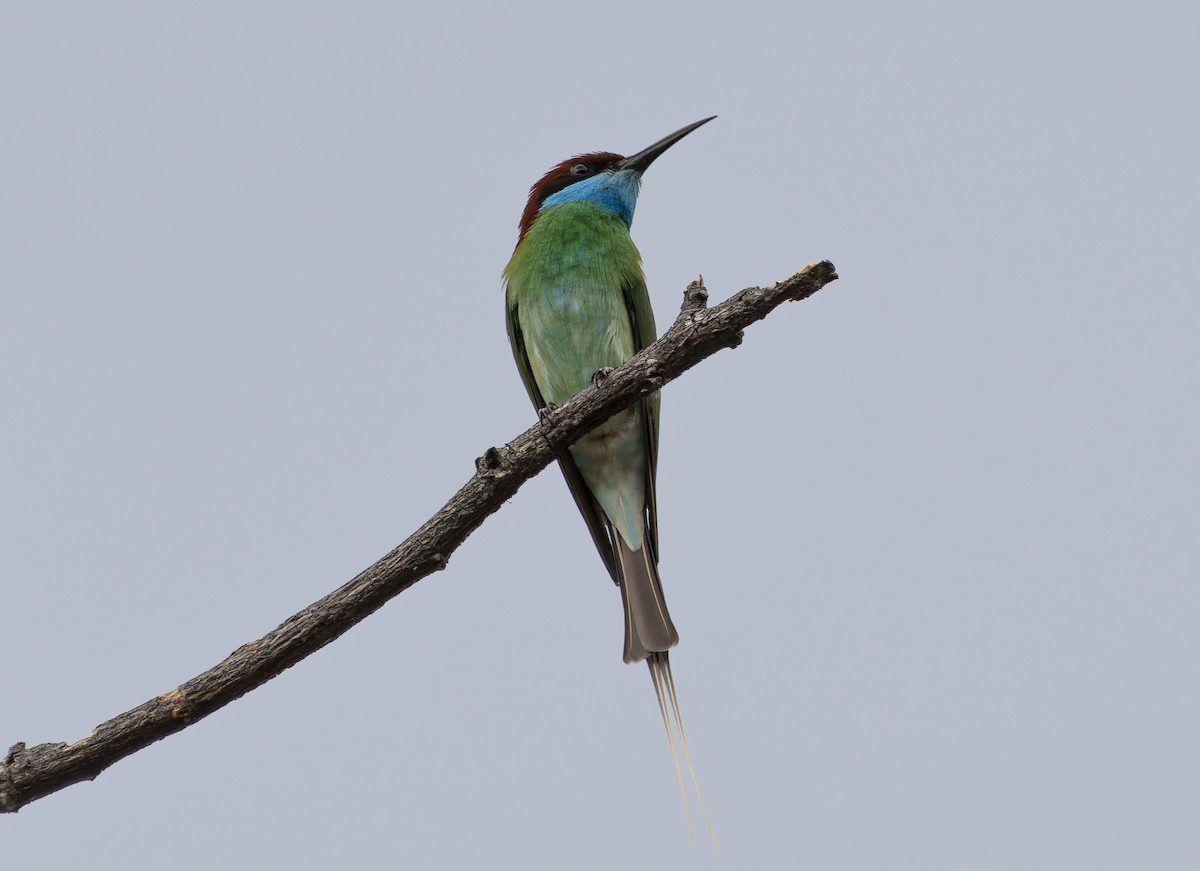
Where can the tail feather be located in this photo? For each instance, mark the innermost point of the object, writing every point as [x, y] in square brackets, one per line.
[664, 688]
[648, 626]
[660, 690]
[649, 634]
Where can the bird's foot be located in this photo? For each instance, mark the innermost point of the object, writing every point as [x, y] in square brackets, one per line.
[600, 374]
[544, 413]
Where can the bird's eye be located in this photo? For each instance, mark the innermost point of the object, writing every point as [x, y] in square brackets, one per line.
[580, 169]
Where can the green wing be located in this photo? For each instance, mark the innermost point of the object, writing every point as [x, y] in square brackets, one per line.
[597, 523]
[641, 316]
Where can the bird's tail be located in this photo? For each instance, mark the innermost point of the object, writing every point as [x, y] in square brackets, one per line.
[649, 634]
[648, 626]
[664, 688]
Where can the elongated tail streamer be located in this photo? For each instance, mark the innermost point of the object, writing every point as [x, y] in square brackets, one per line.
[661, 691]
[664, 688]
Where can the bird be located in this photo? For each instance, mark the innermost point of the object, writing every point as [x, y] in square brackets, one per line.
[577, 306]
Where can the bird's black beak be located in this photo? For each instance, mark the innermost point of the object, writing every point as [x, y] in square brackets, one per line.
[641, 161]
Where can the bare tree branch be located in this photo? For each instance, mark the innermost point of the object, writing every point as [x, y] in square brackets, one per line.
[29, 773]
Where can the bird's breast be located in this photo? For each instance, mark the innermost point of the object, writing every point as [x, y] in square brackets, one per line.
[572, 328]
[566, 284]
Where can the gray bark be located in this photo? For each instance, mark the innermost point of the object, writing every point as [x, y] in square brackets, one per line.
[29, 773]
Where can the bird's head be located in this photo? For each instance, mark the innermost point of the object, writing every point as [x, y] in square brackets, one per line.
[608, 180]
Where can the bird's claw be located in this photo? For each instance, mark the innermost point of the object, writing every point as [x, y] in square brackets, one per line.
[600, 374]
[544, 413]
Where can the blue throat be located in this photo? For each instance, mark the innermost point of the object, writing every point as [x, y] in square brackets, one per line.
[614, 192]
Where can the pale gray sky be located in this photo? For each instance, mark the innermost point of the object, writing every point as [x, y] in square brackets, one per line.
[930, 538]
